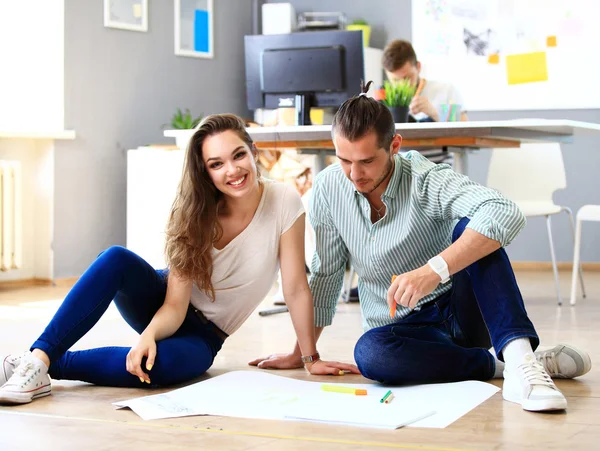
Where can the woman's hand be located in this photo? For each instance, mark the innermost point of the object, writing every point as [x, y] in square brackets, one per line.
[278, 362]
[292, 360]
[145, 347]
[323, 367]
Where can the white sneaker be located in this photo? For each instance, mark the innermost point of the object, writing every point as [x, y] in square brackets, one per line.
[8, 363]
[530, 385]
[29, 381]
[564, 361]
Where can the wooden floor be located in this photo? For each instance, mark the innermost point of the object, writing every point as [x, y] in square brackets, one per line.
[78, 415]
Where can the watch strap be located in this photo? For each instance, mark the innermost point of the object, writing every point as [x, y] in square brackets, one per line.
[310, 358]
[440, 271]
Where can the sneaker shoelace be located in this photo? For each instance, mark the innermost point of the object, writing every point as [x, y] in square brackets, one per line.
[23, 373]
[534, 373]
[549, 361]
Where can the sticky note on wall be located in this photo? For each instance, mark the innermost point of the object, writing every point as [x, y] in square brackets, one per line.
[551, 41]
[494, 58]
[201, 31]
[526, 68]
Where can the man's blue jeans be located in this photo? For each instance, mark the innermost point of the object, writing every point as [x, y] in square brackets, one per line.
[138, 291]
[448, 339]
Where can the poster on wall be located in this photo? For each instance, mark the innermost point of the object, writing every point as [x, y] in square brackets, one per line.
[129, 15]
[194, 28]
[509, 54]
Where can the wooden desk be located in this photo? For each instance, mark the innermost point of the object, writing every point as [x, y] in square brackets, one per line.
[455, 136]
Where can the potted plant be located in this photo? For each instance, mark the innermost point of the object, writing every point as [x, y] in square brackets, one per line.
[183, 120]
[397, 96]
[360, 24]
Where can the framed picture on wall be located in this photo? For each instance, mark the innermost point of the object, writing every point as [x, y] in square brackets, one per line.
[194, 28]
[126, 14]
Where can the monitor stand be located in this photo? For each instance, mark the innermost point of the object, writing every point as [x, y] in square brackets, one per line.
[302, 103]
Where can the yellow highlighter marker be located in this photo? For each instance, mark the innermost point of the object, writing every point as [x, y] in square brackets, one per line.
[393, 307]
[342, 389]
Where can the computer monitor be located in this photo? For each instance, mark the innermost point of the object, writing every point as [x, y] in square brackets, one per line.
[302, 70]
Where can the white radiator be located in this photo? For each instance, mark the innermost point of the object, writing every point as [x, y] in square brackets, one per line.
[11, 223]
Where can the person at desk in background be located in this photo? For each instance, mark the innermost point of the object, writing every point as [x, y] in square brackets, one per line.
[400, 62]
[229, 232]
[455, 295]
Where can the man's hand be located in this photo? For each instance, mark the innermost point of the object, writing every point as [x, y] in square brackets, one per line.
[145, 347]
[409, 288]
[420, 104]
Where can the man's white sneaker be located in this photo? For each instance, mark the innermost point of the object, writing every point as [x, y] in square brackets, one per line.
[564, 361]
[29, 381]
[530, 385]
[8, 363]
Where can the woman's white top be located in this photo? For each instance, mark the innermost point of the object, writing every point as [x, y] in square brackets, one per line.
[244, 271]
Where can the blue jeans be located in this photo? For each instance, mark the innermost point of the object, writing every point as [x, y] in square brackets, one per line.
[448, 339]
[138, 291]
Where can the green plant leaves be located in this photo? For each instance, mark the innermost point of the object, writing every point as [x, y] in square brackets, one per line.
[398, 93]
[183, 120]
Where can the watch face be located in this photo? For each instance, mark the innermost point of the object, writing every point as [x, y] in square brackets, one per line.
[438, 263]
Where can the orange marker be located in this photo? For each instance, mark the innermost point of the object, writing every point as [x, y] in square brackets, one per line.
[420, 87]
[393, 307]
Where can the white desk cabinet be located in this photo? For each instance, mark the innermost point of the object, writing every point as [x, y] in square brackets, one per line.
[152, 178]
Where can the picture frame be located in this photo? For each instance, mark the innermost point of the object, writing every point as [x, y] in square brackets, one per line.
[129, 15]
[194, 28]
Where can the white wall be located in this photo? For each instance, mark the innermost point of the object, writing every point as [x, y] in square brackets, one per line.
[32, 62]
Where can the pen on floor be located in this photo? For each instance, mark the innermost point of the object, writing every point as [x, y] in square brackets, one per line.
[273, 311]
[389, 392]
[342, 389]
[393, 306]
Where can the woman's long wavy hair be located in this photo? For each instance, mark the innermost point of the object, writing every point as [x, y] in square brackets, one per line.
[193, 228]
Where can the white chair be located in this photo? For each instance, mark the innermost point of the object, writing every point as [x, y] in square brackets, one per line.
[585, 213]
[529, 175]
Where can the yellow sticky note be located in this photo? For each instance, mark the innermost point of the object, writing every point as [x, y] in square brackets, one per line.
[494, 58]
[551, 41]
[137, 10]
[526, 68]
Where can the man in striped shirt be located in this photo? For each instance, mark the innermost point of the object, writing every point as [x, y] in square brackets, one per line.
[455, 295]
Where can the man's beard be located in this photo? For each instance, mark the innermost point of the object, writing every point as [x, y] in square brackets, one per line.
[380, 180]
